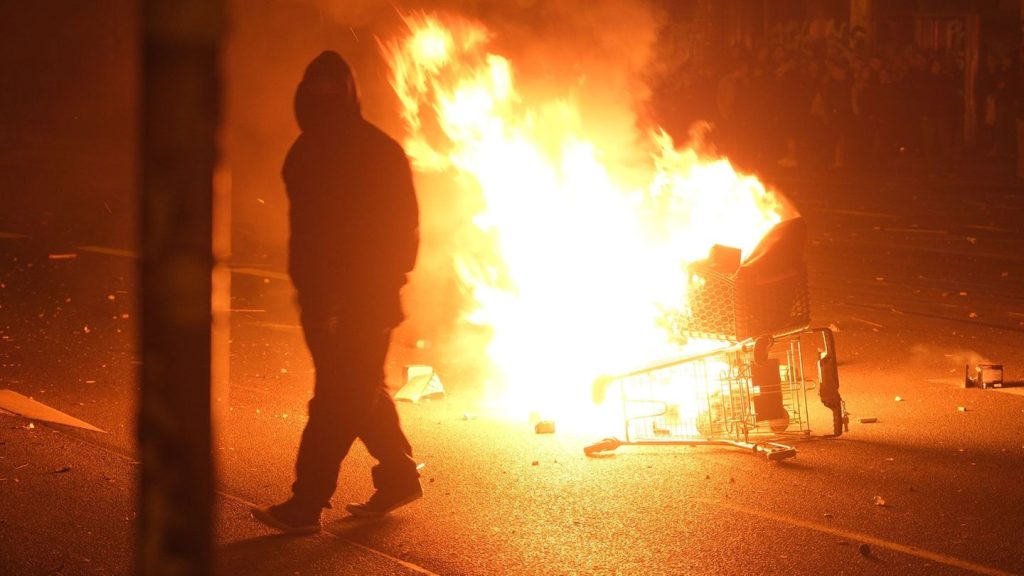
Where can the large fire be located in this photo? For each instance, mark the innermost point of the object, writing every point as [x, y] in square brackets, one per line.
[573, 260]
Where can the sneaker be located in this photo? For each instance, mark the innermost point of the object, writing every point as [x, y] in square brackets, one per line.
[288, 517]
[383, 502]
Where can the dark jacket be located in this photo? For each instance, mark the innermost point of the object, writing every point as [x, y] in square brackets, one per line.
[353, 213]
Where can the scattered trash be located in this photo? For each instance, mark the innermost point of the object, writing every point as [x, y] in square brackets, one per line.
[29, 408]
[535, 463]
[864, 550]
[879, 501]
[827, 515]
[545, 427]
[962, 408]
[468, 416]
[833, 327]
[867, 420]
[985, 376]
[64, 256]
[898, 399]
[63, 470]
[972, 315]
[421, 383]
[22, 466]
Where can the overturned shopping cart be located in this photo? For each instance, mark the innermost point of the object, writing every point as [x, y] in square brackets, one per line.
[752, 395]
[752, 390]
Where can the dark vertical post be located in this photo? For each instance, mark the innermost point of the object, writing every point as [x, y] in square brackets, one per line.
[179, 153]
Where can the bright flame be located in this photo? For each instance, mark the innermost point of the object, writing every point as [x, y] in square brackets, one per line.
[571, 269]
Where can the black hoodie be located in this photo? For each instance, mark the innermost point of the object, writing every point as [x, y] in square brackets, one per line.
[353, 210]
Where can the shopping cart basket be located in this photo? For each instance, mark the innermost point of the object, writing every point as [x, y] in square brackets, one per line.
[752, 395]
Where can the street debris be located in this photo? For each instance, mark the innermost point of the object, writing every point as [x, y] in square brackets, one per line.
[879, 501]
[535, 463]
[867, 420]
[864, 549]
[545, 427]
[984, 376]
[898, 399]
[962, 408]
[63, 256]
[24, 406]
[63, 470]
[421, 383]
[468, 416]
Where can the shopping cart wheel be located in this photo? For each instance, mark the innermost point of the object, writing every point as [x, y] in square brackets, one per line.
[606, 445]
[779, 424]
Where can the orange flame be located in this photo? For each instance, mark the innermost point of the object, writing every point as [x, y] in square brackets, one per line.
[570, 266]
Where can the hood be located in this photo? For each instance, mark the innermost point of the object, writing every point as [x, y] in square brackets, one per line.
[327, 95]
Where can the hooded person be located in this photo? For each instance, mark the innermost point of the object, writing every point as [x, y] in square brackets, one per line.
[354, 237]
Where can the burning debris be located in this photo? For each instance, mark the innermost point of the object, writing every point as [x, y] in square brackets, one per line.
[586, 248]
[576, 238]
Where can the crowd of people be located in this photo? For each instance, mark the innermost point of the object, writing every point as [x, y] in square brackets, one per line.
[835, 108]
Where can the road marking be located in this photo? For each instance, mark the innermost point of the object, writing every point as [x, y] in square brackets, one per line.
[986, 228]
[108, 251]
[858, 213]
[259, 273]
[915, 230]
[122, 253]
[118, 453]
[857, 536]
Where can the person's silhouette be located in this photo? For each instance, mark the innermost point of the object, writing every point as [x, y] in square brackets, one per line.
[354, 237]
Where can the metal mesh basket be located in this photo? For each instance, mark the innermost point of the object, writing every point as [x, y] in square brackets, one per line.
[734, 308]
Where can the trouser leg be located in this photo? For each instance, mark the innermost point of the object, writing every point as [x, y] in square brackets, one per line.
[386, 442]
[348, 368]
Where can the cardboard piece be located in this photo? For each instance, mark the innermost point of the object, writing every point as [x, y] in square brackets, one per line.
[421, 382]
[24, 406]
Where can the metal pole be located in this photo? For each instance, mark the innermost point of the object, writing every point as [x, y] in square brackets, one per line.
[180, 102]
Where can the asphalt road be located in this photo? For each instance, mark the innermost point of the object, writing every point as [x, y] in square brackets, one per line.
[920, 275]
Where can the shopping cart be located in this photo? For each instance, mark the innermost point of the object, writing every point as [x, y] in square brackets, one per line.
[751, 395]
[752, 391]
